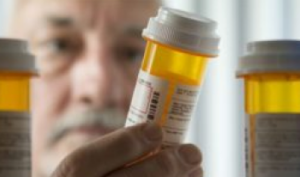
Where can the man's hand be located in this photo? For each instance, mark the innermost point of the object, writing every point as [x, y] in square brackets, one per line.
[108, 156]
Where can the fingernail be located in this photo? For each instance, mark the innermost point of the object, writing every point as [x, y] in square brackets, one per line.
[190, 154]
[153, 132]
[196, 173]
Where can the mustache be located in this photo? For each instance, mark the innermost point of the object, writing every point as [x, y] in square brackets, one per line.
[109, 118]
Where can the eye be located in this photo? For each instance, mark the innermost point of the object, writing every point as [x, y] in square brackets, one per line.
[58, 45]
[56, 53]
[61, 46]
[131, 54]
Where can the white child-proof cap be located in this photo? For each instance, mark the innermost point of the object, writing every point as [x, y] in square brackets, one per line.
[15, 56]
[184, 31]
[271, 57]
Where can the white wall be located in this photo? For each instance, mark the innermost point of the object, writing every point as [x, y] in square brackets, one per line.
[293, 19]
[5, 15]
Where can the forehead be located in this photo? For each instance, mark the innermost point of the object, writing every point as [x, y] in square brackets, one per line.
[91, 13]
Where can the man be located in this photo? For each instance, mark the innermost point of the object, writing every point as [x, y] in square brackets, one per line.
[89, 53]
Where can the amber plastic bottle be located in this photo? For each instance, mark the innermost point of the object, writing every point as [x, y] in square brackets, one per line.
[271, 71]
[179, 46]
[16, 68]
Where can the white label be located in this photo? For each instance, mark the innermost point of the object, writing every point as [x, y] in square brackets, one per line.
[148, 99]
[15, 157]
[180, 113]
[276, 145]
[172, 106]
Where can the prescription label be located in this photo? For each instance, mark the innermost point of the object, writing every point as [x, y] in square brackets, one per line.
[148, 99]
[15, 156]
[180, 112]
[273, 145]
[168, 103]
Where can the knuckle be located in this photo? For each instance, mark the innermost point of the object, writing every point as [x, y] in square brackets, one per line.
[128, 142]
[198, 172]
[66, 168]
[165, 164]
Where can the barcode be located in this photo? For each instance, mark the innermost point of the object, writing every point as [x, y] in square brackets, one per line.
[153, 106]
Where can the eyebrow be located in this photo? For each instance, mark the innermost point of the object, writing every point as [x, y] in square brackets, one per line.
[58, 21]
[67, 22]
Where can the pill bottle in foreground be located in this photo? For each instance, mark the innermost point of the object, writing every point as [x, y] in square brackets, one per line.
[179, 45]
[16, 69]
[271, 70]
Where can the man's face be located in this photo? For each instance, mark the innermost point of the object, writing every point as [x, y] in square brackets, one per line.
[88, 53]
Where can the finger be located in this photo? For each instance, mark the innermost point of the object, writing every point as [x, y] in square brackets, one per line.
[111, 152]
[198, 172]
[183, 161]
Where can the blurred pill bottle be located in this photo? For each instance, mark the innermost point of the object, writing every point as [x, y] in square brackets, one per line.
[271, 71]
[17, 66]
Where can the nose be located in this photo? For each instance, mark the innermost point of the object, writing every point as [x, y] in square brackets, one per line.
[93, 76]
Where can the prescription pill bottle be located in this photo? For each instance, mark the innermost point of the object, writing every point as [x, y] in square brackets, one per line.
[271, 70]
[179, 45]
[16, 69]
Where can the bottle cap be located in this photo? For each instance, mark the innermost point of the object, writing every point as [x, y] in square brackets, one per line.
[184, 31]
[15, 57]
[271, 57]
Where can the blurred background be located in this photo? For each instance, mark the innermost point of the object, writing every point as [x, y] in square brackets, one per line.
[217, 127]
